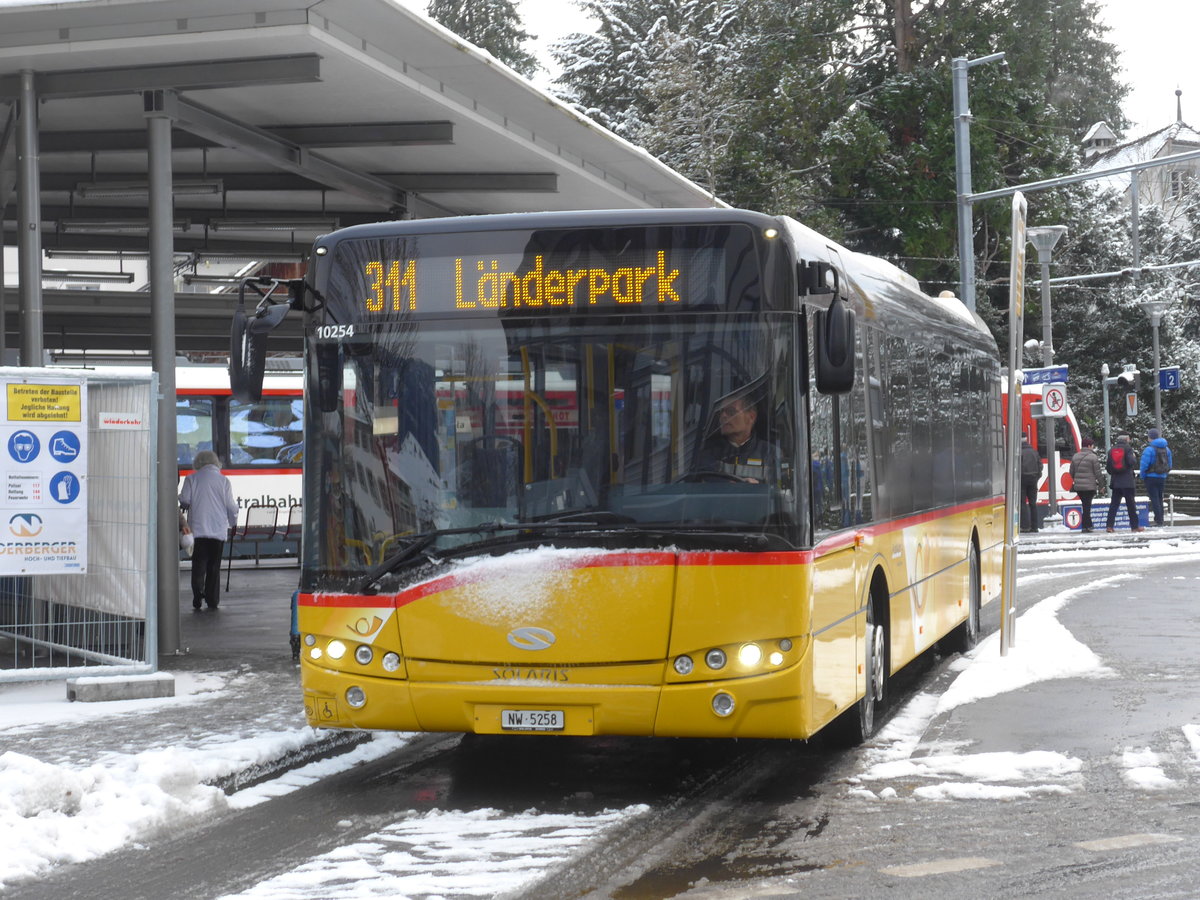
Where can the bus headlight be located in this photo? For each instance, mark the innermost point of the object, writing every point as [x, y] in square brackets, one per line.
[776, 658]
[336, 649]
[723, 704]
[309, 640]
[356, 697]
[715, 658]
[684, 665]
[363, 654]
[749, 655]
[391, 662]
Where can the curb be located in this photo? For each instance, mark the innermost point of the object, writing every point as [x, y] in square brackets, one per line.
[327, 747]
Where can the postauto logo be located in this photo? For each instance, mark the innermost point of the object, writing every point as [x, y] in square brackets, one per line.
[25, 525]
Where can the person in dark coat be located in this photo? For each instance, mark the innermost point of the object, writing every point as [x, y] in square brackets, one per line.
[1031, 474]
[1152, 474]
[1122, 482]
[738, 451]
[1087, 475]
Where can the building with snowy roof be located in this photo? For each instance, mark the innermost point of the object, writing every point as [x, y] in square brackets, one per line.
[1163, 186]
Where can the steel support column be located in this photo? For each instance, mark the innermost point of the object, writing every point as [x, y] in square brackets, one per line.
[162, 346]
[29, 239]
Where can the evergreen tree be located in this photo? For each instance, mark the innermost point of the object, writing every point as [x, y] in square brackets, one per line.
[893, 150]
[493, 25]
[607, 75]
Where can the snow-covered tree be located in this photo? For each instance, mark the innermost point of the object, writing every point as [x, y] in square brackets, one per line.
[493, 25]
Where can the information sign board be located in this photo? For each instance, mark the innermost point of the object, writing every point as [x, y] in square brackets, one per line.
[1047, 375]
[43, 501]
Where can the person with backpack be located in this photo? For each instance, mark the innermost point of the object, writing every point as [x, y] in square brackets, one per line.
[1121, 464]
[1031, 474]
[1087, 477]
[1155, 466]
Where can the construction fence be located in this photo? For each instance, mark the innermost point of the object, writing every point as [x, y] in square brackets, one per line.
[99, 616]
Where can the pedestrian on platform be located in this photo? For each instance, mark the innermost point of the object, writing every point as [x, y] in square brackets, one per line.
[1031, 474]
[1122, 466]
[1156, 465]
[207, 496]
[1087, 475]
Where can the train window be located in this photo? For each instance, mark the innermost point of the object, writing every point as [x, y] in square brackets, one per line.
[267, 433]
[194, 428]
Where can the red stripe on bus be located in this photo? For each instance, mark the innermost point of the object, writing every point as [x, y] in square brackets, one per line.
[847, 538]
[745, 558]
[225, 392]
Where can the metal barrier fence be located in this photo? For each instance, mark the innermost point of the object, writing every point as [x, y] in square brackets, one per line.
[103, 620]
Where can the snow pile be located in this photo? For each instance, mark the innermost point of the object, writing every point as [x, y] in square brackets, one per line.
[481, 853]
[1142, 770]
[500, 590]
[1043, 650]
[984, 775]
[57, 812]
[51, 815]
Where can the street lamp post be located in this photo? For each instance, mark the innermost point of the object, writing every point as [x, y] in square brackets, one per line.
[1043, 239]
[962, 172]
[1105, 381]
[1155, 309]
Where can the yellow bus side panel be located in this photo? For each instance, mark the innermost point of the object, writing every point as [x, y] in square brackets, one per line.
[837, 626]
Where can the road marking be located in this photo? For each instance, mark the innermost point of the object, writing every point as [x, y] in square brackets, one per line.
[941, 866]
[1125, 841]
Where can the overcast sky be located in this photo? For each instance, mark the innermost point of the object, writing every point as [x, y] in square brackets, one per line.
[1158, 40]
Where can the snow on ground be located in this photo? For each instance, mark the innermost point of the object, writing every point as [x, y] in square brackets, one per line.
[150, 768]
[1043, 649]
[55, 812]
[481, 853]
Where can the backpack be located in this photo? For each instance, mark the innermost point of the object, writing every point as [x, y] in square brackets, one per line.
[1161, 464]
[1118, 460]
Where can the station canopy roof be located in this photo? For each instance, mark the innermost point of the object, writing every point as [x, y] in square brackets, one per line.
[289, 119]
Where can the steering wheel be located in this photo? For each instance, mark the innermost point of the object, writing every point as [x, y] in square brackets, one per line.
[707, 477]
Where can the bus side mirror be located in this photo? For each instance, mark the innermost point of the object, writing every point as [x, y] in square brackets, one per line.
[834, 333]
[248, 336]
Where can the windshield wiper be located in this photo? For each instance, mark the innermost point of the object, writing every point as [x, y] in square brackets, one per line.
[584, 517]
[416, 544]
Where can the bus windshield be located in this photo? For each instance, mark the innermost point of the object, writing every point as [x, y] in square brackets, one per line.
[646, 423]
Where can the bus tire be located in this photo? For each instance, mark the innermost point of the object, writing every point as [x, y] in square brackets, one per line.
[860, 722]
[965, 635]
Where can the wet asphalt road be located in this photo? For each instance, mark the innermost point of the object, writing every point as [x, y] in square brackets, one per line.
[775, 819]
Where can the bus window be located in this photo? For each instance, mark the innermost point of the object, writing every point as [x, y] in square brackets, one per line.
[193, 428]
[266, 433]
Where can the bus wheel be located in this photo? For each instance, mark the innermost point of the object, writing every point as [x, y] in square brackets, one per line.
[875, 653]
[966, 634]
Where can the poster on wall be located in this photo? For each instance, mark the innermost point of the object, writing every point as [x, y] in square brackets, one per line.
[43, 516]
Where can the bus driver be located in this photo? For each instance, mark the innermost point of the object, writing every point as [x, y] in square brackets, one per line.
[738, 451]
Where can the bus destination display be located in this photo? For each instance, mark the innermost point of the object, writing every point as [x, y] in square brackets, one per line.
[544, 272]
[396, 286]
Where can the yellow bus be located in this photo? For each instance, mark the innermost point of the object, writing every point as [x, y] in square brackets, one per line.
[652, 472]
